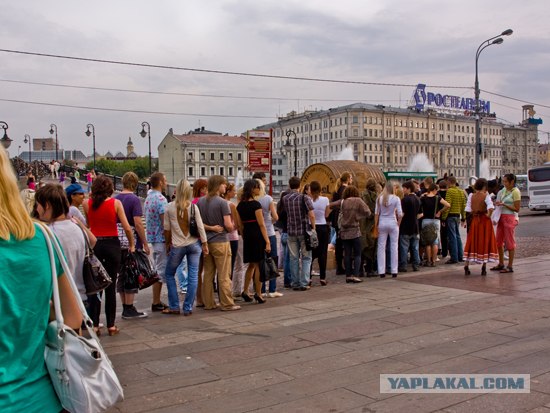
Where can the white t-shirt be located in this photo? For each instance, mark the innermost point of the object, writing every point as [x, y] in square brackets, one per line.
[72, 241]
[74, 212]
[319, 208]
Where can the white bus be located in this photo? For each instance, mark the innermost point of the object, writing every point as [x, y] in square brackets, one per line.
[538, 180]
[521, 184]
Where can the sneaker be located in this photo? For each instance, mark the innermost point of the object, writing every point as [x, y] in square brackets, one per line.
[274, 294]
[307, 287]
[132, 312]
[183, 290]
[158, 307]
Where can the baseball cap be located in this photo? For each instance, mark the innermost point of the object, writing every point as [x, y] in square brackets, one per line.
[74, 189]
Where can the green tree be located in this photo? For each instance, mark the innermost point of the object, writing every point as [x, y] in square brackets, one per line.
[140, 166]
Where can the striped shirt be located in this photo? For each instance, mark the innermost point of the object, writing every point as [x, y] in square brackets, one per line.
[455, 196]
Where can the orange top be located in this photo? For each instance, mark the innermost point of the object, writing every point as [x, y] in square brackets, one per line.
[103, 219]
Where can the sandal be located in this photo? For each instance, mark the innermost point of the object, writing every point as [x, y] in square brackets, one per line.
[113, 331]
[499, 267]
[172, 312]
[506, 270]
[323, 282]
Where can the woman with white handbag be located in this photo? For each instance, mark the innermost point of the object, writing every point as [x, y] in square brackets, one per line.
[26, 292]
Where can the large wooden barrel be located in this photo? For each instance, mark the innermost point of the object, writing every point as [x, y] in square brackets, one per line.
[327, 173]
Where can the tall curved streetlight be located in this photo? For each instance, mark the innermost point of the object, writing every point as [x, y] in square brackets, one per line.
[53, 128]
[28, 140]
[6, 141]
[143, 134]
[88, 133]
[288, 147]
[483, 46]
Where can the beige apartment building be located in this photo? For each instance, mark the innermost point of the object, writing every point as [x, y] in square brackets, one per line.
[388, 138]
[201, 153]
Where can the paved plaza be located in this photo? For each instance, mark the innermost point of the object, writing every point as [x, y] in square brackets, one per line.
[323, 350]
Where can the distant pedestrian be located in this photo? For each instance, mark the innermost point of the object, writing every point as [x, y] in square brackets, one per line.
[388, 216]
[509, 200]
[454, 217]
[255, 239]
[299, 210]
[352, 210]
[481, 246]
[216, 217]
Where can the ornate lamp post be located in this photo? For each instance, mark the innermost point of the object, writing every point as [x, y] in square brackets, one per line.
[6, 141]
[483, 46]
[288, 147]
[88, 133]
[143, 134]
[53, 127]
[28, 140]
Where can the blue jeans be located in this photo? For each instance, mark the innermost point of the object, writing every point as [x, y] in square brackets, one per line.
[406, 242]
[274, 255]
[455, 242]
[175, 257]
[181, 272]
[286, 259]
[297, 248]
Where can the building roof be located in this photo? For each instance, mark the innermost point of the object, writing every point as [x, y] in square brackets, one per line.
[206, 139]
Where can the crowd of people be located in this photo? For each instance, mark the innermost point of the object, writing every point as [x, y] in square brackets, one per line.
[209, 242]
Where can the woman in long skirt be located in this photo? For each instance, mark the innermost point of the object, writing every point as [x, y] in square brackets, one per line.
[481, 245]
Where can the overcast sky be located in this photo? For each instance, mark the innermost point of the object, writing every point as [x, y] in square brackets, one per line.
[406, 42]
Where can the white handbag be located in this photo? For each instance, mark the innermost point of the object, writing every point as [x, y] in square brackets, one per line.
[82, 374]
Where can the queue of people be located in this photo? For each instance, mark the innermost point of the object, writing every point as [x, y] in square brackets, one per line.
[379, 231]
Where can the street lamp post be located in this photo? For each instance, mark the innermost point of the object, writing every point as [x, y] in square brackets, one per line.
[482, 46]
[143, 134]
[28, 140]
[53, 127]
[88, 133]
[6, 141]
[288, 147]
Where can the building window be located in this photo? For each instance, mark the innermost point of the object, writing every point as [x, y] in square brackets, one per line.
[203, 171]
[230, 170]
[190, 156]
[221, 156]
[212, 154]
[222, 171]
[355, 119]
[212, 171]
[190, 171]
[203, 156]
[239, 156]
[230, 156]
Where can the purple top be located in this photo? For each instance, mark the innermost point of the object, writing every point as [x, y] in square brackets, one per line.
[132, 208]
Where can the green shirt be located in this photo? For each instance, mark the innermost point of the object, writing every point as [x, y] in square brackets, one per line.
[25, 293]
[455, 196]
[508, 198]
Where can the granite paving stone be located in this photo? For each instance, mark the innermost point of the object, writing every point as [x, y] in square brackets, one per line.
[324, 350]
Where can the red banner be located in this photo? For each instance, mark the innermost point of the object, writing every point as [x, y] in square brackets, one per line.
[259, 150]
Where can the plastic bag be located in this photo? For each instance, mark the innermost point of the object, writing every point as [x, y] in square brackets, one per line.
[138, 272]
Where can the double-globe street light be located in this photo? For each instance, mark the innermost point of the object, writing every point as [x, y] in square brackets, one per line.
[143, 134]
[288, 147]
[53, 128]
[489, 42]
[88, 133]
[6, 141]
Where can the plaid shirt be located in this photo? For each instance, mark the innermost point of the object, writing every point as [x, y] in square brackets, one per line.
[296, 215]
